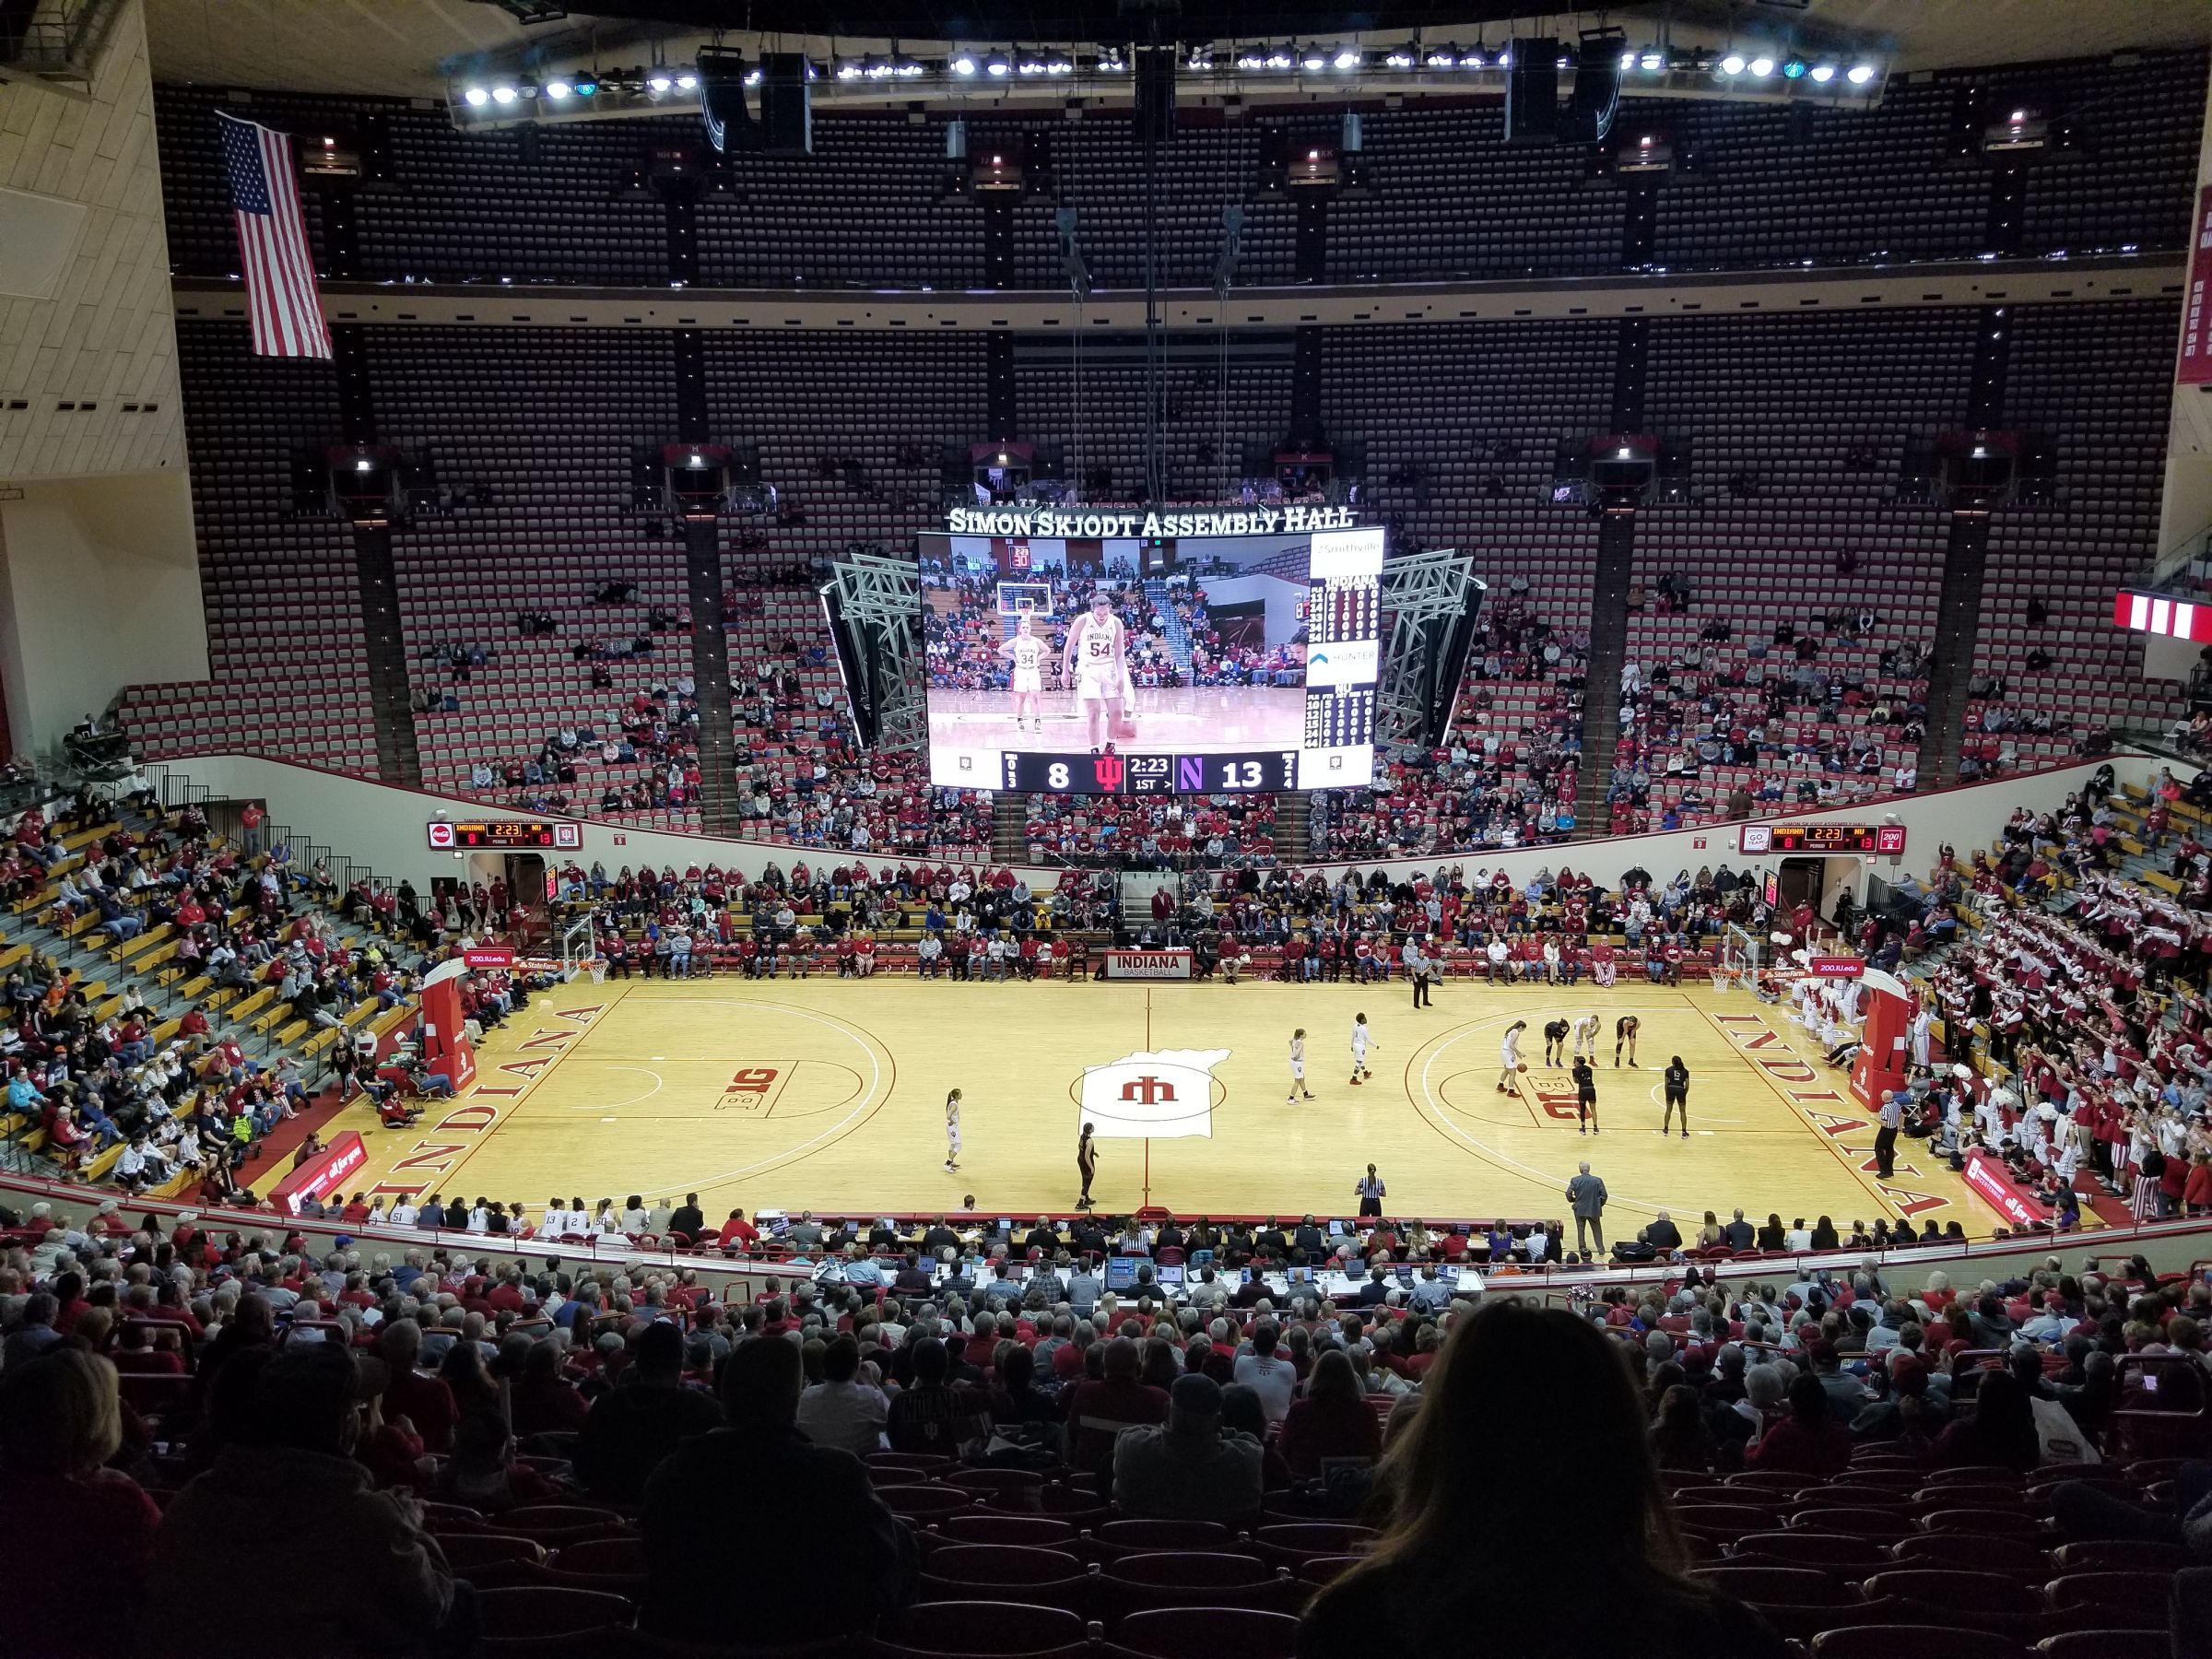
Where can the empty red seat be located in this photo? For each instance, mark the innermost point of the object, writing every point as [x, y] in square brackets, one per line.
[2018, 1558]
[1836, 1554]
[542, 1610]
[2001, 1523]
[2115, 1600]
[2107, 1644]
[926, 1501]
[980, 1526]
[980, 1630]
[1208, 1634]
[1974, 1601]
[1911, 1641]
[1001, 1564]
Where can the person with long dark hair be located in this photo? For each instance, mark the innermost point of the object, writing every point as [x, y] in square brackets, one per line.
[1086, 1165]
[2000, 1432]
[1530, 1412]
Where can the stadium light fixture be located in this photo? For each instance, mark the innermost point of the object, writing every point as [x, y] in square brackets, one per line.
[1733, 64]
[1821, 74]
[586, 85]
[475, 97]
[1400, 59]
[556, 89]
[1444, 57]
[998, 64]
[1793, 68]
[1761, 66]
[660, 84]
[502, 95]
[1860, 73]
[1653, 61]
[1313, 61]
[1281, 57]
[1476, 59]
[686, 83]
[1347, 57]
[962, 65]
[848, 72]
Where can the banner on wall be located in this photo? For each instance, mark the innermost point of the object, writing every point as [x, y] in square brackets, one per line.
[1148, 964]
[324, 1173]
[2195, 368]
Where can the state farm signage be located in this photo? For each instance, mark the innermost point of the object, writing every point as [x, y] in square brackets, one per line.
[1147, 964]
[1989, 1178]
[321, 1175]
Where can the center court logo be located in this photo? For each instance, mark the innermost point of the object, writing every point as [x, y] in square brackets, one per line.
[1164, 1095]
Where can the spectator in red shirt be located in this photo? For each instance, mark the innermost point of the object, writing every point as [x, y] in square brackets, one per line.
[1097, 1411]
[60, 1422]
[1810, 1440]
[426, 1401]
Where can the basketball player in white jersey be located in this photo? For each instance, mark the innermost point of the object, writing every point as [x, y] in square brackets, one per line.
[1363, 1039]
[1298, 1065]
[1025, 651]
[1097, 656]
[1585, 1037]
[952, 1130]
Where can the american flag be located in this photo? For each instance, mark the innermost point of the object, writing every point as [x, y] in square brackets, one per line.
[272, 240]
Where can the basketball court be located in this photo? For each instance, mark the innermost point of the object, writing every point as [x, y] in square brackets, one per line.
[828, 1095]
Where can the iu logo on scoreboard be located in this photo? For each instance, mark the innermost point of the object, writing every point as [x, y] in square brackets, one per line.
[1107, 771]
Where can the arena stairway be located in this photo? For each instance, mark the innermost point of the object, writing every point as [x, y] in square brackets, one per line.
[1170, 628]
[261, 1025]
[1009, 828]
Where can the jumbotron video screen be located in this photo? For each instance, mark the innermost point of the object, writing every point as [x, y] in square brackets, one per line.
[1160, 667]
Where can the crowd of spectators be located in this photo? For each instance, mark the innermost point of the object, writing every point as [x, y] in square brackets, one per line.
[2075, 995]
[168, 1389]
[180, 1094]
[1555, 927]
[962, 626]
[1508, 777]
[970, 922]
[1151, 832]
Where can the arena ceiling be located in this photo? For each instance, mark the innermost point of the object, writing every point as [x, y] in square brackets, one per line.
[412, 48]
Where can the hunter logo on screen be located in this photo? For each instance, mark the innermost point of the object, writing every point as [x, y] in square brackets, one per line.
[1159, 1095]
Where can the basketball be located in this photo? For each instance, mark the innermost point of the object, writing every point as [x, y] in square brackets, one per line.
[1521, 1065]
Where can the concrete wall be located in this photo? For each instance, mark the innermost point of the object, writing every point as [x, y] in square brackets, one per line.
[2185, 509]
[100, 585]
[385, 827]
